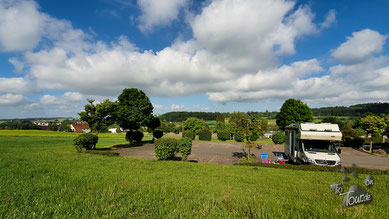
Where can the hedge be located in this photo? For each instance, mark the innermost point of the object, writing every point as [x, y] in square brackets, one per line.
[134, 136]
[188, 134]
[239, 136]
[158, 134]
[223, 135]
[278, 138]
[205, 135]
[87, 141]
[165, 148]
[185, 147]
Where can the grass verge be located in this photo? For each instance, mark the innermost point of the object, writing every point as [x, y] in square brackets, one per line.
[44, 177]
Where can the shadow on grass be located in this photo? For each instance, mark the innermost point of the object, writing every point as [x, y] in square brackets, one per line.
[120, 146]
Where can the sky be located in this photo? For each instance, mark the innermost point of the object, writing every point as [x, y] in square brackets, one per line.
[191, 55]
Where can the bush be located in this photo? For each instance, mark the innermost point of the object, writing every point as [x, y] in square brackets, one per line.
[177, 130]
[205, 135]
[223, 135]
[239, 136]
[278, 138]
[193, 124]
[185, 148]
[158, 134]
[188, 134]
[134, 136]
[353, 142]
[165, 148]
[87, 141]
[253, 137]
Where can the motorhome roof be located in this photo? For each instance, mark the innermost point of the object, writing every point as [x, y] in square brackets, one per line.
[319, 127]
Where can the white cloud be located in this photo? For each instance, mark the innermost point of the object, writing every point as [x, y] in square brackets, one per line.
[69, 98]
[49, 100]
[234, 56]
[158, 13]
[18, 65]
[361, 46]
[177, 107]
[11, 99]
[197, 107]
[21, 25]
[15, 85]
[329, 20]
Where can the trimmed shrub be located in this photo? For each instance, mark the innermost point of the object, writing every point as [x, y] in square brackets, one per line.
[353, 142]
[87, 141]
[239, 136]
[185, 147]
[134, 136]
[177, 130]
[158, 134]
[188, 134]
[165, 148]
[223, 135]
[278, 138]
[205, 135]
[253, 137]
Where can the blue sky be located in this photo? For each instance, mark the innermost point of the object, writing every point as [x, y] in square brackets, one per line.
[221, 55]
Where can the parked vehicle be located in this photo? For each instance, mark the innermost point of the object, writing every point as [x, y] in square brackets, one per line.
[313, 143]
[366, 147]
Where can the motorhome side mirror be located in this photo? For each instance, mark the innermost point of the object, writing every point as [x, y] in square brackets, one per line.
[339, 151]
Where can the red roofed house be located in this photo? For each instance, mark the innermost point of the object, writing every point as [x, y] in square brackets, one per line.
[80, 127]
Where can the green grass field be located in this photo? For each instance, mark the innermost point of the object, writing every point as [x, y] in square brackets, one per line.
[42, 176]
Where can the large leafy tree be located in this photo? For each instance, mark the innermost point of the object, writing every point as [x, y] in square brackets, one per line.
[99, 116]
[373, 125]
[293, 111]
[248, 124]
[194, 124]
[134, 109]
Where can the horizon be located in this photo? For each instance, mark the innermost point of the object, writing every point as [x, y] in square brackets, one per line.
[64, 117]
[187, 55]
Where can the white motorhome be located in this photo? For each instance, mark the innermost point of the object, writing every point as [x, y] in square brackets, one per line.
[313, 143]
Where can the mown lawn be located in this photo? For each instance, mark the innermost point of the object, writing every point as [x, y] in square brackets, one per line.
[44, 177]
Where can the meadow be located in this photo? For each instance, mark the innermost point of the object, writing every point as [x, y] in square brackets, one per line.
[43, 176]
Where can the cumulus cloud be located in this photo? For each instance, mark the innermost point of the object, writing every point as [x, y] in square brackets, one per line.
[69, 98]
[18, 65]
[21, 25]
[177, 107]
[15, 85]
[360, 46]
[234, 56]
[158, 13]
[11, 99]
[329, 20]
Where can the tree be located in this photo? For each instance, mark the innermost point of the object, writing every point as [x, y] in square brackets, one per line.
[194, 124]
[373, 125]
[293, 111]
[248, 124]
[99, 116]
[134, 109]
[220, 118]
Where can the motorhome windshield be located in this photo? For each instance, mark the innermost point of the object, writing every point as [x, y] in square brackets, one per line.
[318, 146]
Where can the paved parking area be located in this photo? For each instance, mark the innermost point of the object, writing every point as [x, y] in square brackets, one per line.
[221, 153]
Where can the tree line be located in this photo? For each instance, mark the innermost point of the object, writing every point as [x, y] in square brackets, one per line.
[180, 116]
[353, 111]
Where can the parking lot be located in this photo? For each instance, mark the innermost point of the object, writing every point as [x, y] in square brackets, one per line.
[222, 153]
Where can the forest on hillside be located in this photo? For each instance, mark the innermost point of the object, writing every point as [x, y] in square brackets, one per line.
[352, 111]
